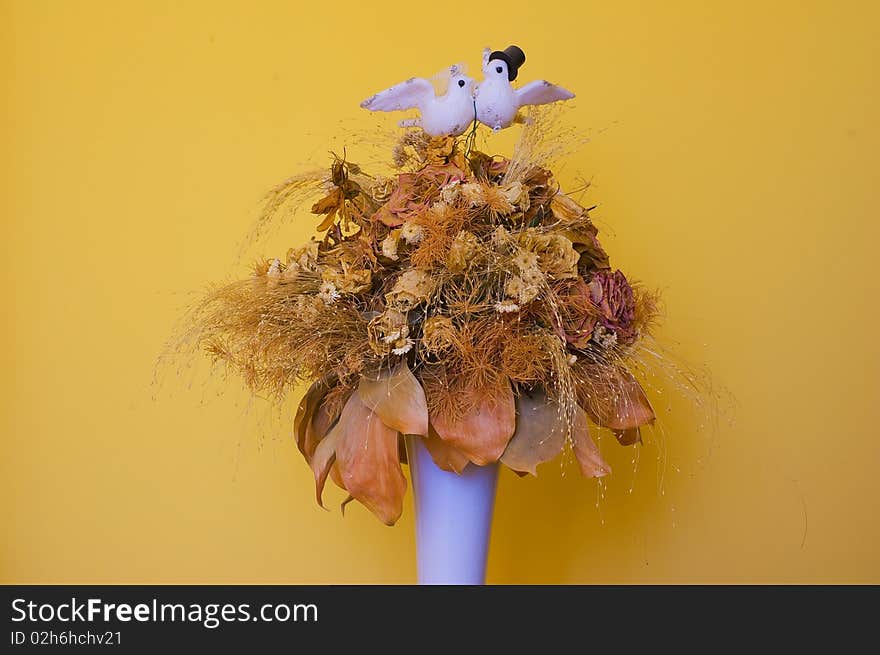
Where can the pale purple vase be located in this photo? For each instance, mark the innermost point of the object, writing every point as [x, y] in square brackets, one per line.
[453, 518]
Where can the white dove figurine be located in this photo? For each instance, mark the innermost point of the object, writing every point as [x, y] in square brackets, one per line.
[448, 114]
[497, 101]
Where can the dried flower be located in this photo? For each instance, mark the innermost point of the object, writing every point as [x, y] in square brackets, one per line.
[473, 194]
[399, 155]
[450, 192]
[438, 334]
[438, 210]
[566, 209]
[328, 293]
[604, 337]
[527, 264]
[412, 232]
[402, 346]
[464, 246]
[576, 315]
[387, 331]
[556, 255]
[416, 192]
[348, 280]
[506, 307]
[389, 245]
[304, 259]
[504, 200]
[613, 297]
[381, 189]
[412, 287]
[501, 237]
[524, 292]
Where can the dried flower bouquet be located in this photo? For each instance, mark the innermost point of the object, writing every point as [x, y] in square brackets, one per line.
[465, 299]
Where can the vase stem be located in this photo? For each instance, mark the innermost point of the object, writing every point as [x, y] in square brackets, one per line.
[453, 518]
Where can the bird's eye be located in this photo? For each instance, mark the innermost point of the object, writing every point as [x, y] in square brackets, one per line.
[461, 83]
[498, 69]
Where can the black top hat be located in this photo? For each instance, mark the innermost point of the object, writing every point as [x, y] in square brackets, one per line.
[513, 56]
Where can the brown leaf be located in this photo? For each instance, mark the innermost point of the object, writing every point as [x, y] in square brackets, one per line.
[484, 431]
[617, 401]
[306, 436]
[337, 172]
[444, 455]
[540, 432]
[322, 461]
[628, 437]
[398, 398]
[328, 221]
[330, 202]
[336, 476]
[367, 457]
[324, 418]
[585, 451]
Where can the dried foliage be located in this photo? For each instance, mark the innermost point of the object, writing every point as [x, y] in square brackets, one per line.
[468, 289]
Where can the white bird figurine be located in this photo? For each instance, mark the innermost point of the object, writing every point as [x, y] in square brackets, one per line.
[497, 101]
[448, 114]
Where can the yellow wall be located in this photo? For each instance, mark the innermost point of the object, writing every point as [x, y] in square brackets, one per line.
[735, 159]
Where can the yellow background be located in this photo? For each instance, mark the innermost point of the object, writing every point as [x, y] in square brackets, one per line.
[734, 155]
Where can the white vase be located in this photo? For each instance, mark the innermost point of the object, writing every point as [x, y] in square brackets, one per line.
[453, 518]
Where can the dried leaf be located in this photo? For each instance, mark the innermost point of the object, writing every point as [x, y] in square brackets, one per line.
[336, 476]
[328, 221]
[617, 401]
[484, 431]
[445, 456]
[401, 452]
[324, 418]
[322, 461]
[585, 450]
[367, 456]
[307, 437]
[398, 398]
[628, 437]
[329, 203]
[540, 432]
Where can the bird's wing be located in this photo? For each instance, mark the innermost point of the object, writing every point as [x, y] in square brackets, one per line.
[415, 92]
[541, 92]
